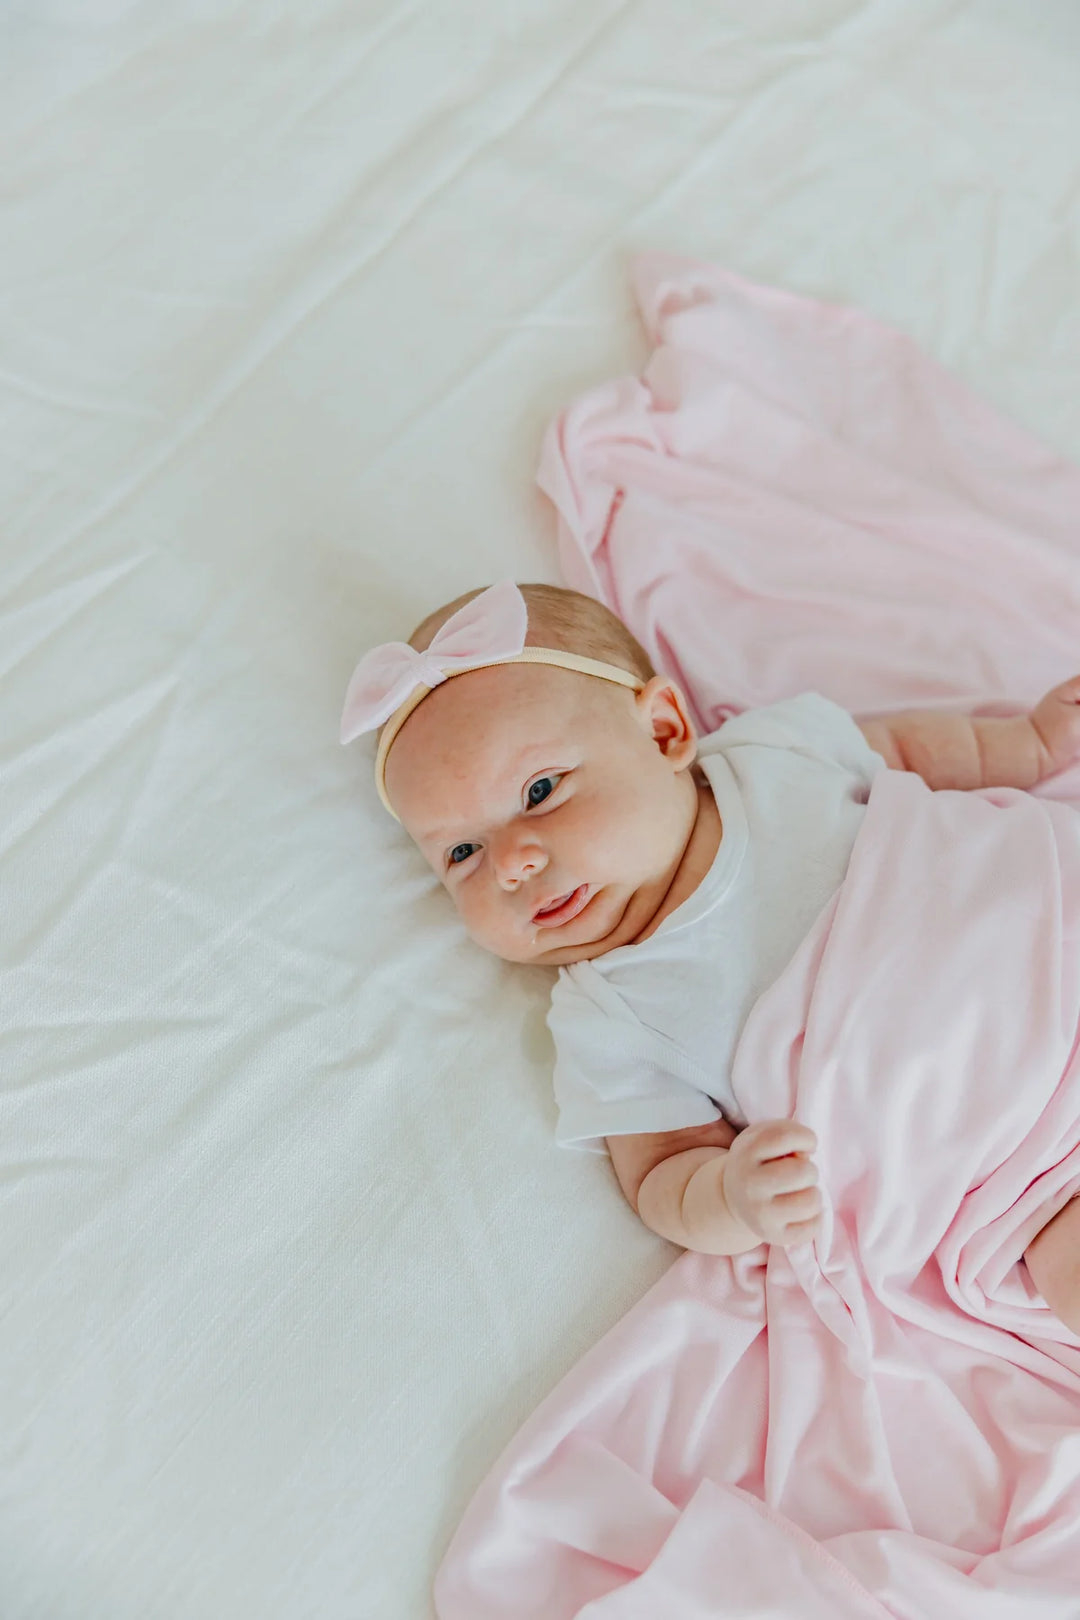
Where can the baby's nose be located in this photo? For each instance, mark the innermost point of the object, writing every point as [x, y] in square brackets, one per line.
[516, 859]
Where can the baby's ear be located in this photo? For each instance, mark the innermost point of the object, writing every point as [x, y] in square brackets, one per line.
[664, 709]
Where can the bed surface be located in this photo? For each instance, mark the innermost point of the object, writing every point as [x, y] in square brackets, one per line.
[287, 296]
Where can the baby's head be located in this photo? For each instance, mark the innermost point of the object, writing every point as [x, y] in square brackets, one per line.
[554, 805]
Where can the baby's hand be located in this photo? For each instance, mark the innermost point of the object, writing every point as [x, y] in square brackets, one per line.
[1056, 721]
[770, 1182]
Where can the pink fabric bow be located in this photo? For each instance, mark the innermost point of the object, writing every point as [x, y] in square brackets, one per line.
[490, 627]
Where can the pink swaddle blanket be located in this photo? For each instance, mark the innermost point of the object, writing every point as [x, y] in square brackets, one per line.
[886, 1423]
[794, 497]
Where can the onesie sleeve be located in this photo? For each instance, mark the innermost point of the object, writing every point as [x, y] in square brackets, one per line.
[613, 1075]
[810, 724]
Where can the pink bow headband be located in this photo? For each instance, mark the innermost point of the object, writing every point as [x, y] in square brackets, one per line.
[390, 681]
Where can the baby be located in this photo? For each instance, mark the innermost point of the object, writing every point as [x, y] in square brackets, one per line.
[555, 784]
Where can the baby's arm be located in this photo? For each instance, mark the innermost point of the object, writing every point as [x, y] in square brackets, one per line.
[958, 751]
[719, 1192]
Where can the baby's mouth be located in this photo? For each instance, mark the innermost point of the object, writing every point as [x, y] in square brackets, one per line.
[562, 908]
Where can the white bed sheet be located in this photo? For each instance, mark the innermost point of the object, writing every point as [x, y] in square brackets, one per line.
[287, 295]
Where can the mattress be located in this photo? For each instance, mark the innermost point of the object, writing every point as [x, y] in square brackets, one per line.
[287, 296]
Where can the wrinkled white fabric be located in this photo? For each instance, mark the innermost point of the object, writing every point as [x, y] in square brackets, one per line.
[288, 295]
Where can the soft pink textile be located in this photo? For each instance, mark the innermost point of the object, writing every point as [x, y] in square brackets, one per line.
[911, 1416]
[794, 496]
[903, 1439]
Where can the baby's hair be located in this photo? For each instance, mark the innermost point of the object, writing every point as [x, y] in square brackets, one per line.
[565, 620]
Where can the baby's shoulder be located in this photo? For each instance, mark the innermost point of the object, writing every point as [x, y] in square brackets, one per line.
[786, 723]
[810, 728]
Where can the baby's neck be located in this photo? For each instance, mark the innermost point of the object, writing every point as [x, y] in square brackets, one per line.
[697, 858]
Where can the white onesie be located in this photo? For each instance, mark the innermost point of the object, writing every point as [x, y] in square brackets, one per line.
[645, 1035]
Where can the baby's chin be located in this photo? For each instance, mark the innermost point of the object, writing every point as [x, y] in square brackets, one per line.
[525, 954]
[542, 947]
[561, 956]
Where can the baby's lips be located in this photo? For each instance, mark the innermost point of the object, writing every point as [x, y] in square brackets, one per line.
[562, 908]
[553, 905]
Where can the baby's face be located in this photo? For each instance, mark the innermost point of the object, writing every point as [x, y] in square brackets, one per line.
[555, 807]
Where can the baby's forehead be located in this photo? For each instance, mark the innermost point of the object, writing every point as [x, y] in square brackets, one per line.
[489, 707]
[500, 715]
[477, 733]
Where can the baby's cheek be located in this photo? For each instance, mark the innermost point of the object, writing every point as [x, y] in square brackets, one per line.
[591, 829]
[605, 843]
[459, 899]
[479, 915]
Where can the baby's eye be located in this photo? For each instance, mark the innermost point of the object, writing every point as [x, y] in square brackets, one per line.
[541, 789]
[461, 852]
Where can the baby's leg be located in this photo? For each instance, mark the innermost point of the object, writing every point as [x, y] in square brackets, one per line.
[1053, 1259]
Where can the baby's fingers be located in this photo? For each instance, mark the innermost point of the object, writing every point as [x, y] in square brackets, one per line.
[1067, 692]
[792, 1207]
[776, 1177]
[779, 1137]
[801, 1232]
[796, 1217]
[1056, 721]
